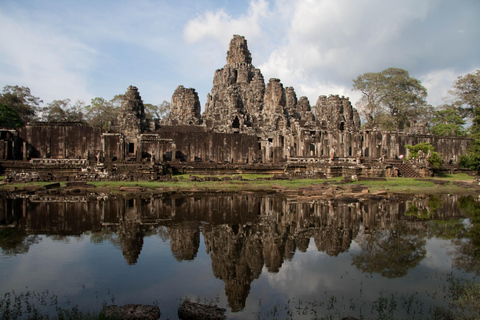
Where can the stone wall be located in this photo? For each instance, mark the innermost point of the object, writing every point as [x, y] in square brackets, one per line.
[59, 140]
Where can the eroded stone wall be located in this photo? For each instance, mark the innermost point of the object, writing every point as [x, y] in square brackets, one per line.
[60, 140]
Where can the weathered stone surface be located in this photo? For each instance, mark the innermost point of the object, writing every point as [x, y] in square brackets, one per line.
[185, 107]
[337, 113]
[238, 51]
[196, 311]
[237, 92]
[132, 312]
[131, 120]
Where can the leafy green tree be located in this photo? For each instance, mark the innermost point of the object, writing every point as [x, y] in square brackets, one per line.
[22, 101]
[391, 99]
[101, 112]
[63, 111]
[9, 118]
[435, 161]
[466, 91]
[447, 121]
[160, 111]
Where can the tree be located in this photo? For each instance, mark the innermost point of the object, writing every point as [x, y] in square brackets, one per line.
[391, 99]
[435, 161]
[21, 100]
[160, 111]
[466, 93]
[101, 112]
[63, 111]
[447, 121]
[9, 118]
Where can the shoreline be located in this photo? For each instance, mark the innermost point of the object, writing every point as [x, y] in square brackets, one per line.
[334, 188]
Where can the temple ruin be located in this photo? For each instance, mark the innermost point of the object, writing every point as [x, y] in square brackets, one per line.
[247, 126]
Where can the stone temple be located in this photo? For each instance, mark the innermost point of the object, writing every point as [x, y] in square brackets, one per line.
[248, 126]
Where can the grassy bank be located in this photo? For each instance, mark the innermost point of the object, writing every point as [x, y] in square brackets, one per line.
[452, 183]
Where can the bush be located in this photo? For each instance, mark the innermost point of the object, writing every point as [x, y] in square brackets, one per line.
[435, 161]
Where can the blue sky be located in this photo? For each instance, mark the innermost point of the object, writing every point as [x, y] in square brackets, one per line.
[86, 49]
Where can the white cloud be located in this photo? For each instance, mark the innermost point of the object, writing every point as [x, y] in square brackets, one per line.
[438, 83]
[42, 59]
[219, 25]
[318, 47]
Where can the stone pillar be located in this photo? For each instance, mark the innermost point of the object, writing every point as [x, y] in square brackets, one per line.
[25, 151]
[138, 149]
[122, 148]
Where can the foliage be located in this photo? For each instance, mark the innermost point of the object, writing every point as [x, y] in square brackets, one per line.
[9, 118]
[22, 101]
[41, 306]
[447, 121]
[160, 111]
[391, 99]
[466, 93]
[101, 112]
[63, 111]
[435, 160]
[465, 296]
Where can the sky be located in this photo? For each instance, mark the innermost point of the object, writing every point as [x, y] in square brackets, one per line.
[85, 49]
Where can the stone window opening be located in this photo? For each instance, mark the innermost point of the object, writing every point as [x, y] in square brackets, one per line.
[236, 123]
[131, 147]
[312, 149]
[342, 126]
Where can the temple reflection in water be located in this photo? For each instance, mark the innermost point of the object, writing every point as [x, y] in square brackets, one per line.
[243, 233]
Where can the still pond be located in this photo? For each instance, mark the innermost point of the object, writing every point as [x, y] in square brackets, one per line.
[260, 256]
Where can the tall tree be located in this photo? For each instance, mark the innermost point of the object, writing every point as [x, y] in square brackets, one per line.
[22, 101]
[466, 93]
[466, 90]
[101, 112]
[63, 111]
[160, 111]
[447, 121]
[9, 118]
[391, 99]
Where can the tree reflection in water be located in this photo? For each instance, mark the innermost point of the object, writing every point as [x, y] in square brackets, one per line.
[245, 233]
[390, 252]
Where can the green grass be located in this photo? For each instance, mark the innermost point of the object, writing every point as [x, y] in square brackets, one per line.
[251, 183]
[257, 182]
[456, 176]
[414, 185]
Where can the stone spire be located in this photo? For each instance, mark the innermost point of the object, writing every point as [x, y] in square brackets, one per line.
[185, 107]
[336, 113]
[238, 51]
[237, 94]
[131, 119]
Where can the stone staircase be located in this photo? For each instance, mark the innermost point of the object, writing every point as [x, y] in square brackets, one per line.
[407, 171]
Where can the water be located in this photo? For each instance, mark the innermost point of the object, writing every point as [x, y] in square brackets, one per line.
[257, 255]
